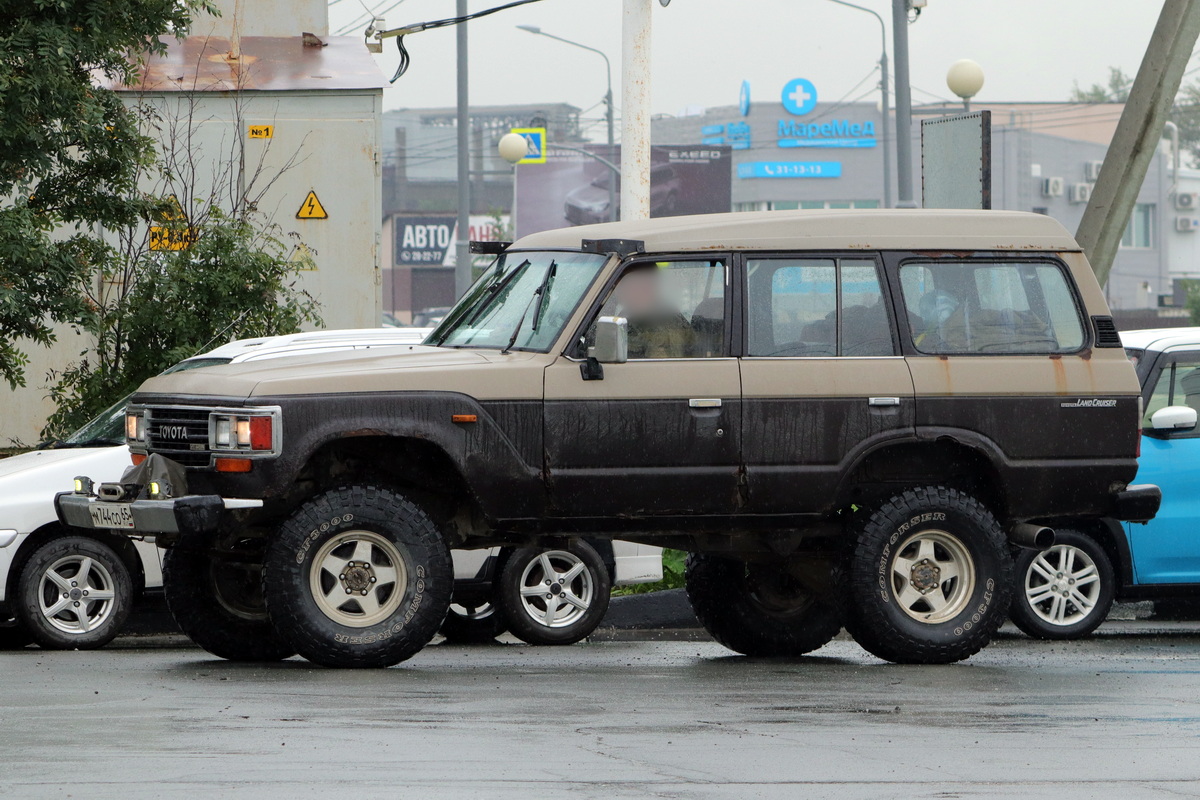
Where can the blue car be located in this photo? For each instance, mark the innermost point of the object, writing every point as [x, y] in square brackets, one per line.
[1066, 592]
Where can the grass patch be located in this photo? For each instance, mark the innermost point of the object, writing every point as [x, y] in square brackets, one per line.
[673, 568]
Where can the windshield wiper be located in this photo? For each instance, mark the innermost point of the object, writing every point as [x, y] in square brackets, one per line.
[537, 298]
[492, 291]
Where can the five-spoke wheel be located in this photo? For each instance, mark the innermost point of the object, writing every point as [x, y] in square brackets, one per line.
[555, 596]
[75, 593]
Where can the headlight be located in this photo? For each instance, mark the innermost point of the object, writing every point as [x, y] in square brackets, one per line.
[135, 426]
[249, 432]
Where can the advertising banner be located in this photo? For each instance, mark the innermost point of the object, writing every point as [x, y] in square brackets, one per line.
[571, 188]
[428, 241]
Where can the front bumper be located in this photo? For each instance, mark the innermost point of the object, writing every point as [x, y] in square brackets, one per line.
[1137, 503]
[197, 513]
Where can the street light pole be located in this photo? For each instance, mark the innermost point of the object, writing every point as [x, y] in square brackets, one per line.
[635, 114]
[904, 178]
[608, 103]
[462, 246]
[883, 87]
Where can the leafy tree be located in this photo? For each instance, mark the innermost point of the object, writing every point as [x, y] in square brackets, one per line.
[69, 151]
[1117, 90]
[235, 280]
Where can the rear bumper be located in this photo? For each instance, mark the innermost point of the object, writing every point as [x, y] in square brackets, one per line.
[1137, 503]
[189, 514]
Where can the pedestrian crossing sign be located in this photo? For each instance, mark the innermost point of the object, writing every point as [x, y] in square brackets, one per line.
[535, 138]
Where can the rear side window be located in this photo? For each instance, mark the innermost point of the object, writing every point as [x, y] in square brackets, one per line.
[990, 307]
[816, 307]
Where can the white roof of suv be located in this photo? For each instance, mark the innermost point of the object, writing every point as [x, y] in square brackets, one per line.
[1160, 339]
[316, 342]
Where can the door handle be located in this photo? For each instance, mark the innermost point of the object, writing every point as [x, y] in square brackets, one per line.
[705, 402]
[883, 401]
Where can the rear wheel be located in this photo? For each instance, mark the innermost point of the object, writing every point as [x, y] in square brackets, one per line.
[930, 578]
[358, 577]
[216, 599]
[554, 597]
[1064, 592]
[757, 609]
[74, 594]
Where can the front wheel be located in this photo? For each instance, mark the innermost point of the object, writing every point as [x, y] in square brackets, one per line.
[556, 596]
[74, 593]
[758, 609]
[1064, 592]
[358, 577]
[930, 578]
[216, 598]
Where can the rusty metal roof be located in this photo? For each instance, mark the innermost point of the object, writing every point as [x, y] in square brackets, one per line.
[271, 64]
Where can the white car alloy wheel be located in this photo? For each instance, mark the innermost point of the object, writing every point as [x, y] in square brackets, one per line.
[932, 576]
[76, 594]
[556, 589]
[1062, 585]
[358, 578]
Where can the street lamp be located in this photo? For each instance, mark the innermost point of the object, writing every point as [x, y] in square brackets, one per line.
[513, 147]
[883, 86]
[608, 103]
[965, 79]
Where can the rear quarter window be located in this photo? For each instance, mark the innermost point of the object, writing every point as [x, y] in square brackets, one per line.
[991, 307]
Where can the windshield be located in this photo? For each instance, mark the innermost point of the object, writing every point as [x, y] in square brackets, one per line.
[108, 427]
[521, 302]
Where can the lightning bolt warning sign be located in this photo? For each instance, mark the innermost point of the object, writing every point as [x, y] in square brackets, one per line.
[311, 208]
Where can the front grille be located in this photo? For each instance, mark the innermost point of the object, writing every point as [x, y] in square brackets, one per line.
[180, 434]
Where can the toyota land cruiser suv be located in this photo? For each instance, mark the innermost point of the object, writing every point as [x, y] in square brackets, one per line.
[848, 418]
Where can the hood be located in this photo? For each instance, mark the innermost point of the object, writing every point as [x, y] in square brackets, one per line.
[384, 369]
[52, 471]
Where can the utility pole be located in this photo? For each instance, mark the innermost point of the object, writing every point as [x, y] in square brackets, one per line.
[635, 113]
[1136, 139]
[462, 245]
[904, 176]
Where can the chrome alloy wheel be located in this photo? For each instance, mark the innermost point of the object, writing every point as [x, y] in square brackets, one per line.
[1062, 585]
[358, 578]
[556, 588]
[932, 576]
[76, 594]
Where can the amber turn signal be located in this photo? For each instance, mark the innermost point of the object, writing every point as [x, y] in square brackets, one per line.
[233, 464]
[137, 458]
[462, 418]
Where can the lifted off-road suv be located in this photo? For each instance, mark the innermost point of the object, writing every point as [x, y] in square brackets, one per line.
[849, 418]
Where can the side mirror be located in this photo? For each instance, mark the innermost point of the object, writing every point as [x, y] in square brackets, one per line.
[612, 341]
[1173, 419]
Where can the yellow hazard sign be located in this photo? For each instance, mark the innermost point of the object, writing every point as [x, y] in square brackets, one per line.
[311, 208]
[173, 212]
[261, 131]
[303, 257]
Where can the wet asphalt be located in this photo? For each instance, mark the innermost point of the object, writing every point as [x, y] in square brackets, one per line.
[1114, 716]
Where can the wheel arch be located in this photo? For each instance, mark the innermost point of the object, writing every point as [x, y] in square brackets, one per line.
[419, 468]
[945, 459]
[121, 545]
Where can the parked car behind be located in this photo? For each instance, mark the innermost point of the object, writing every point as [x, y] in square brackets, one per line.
[1067, 591]
[74, 590]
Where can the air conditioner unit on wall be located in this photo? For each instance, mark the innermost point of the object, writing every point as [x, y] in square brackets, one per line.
[1052, 187]
[1187, 224]
[1091, 170]
[1081, 192]
[1187, 201]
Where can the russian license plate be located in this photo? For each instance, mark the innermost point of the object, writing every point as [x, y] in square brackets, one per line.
[111, 515]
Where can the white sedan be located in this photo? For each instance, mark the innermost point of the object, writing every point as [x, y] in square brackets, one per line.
[69, 589]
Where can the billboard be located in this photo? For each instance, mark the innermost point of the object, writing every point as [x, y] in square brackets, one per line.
[428, 240]
[571, 188]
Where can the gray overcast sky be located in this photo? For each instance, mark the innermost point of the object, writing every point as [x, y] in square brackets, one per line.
[1029, 49]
